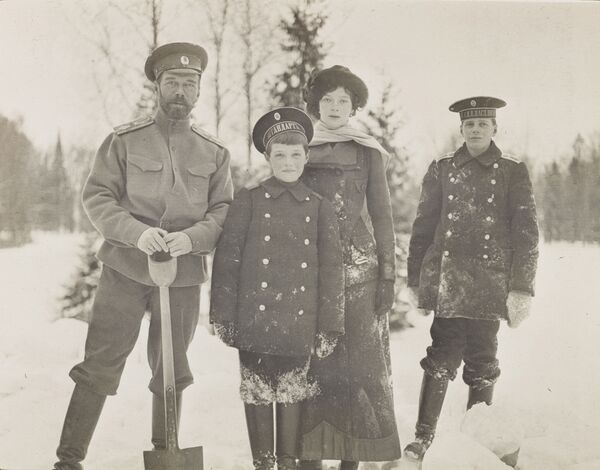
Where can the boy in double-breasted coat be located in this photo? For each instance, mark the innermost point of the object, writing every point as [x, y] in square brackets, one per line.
[472, 260]
[278, 287]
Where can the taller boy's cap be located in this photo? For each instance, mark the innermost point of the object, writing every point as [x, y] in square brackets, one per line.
[278, 121]
[175, 55]
[477, 107]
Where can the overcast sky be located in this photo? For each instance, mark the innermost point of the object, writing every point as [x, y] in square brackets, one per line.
[542, 58]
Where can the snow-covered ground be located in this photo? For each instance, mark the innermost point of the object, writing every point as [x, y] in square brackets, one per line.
[547, 392]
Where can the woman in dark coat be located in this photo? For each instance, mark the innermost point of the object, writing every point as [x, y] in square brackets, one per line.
[352, 419]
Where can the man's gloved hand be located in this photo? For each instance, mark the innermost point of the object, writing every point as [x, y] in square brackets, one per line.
[227, 332]
[151, 240]
[518, 305]
[413, 301]
[179, 243]
[384, 297]
[325, 344]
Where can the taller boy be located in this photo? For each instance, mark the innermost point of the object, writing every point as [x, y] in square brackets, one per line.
[472, 260]
[157, 184]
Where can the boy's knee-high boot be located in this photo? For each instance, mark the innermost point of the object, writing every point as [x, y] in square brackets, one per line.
[288, 423]
[80, 422]
[159, 434]
[480, 395]
[431, 399]
[259, 420]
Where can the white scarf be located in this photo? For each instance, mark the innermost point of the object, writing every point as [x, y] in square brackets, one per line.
[325, 135]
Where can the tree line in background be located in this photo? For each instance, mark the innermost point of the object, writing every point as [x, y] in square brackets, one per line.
[42, 191]
[568, 194]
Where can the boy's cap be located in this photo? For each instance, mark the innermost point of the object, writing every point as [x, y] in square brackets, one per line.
[278, 121]
[477, 107]
[175, 55]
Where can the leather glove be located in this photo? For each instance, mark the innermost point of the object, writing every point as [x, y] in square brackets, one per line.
[325, 344]
[518, 305]
[413, 301]
[384, 297]
[227, 332]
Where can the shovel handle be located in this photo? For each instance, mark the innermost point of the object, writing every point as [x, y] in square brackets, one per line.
[168, 369]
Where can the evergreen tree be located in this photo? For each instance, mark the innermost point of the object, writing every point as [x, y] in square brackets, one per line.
[77, 300]
[551, 207]
[54, 205]
[18, 168]
[305, 49]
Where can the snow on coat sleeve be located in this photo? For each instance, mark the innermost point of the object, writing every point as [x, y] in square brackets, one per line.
[227, 262]
[380, 212]
[205, 233]
[102, 192]
[426, 221]
[523, 231]
[331, 271]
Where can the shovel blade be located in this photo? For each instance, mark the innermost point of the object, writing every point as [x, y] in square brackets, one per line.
[175, 459]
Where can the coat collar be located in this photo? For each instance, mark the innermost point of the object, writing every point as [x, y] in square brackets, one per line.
[276, 188]
[342, 153]
[487, 158]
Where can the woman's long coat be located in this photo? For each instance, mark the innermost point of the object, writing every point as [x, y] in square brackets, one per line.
[353, 417]
[475, 236]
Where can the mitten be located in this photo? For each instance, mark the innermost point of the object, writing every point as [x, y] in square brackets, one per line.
[227, 332]
[518, 305]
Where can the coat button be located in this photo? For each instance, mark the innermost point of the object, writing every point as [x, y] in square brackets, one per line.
[487, 236]
[450, 216]
[307, 218]
[307, 198]
[493, 181]
[450, 196]
[490, 199]
[485, 256]
[265, 261]
[488, 218]
[267, 216]
[453, 179]
[302, 288]
[306, 241]
[300, 312]
[304, 265]
[264, 285]
[446, 253]
[495, 165]
[449, 233]
[267, 195]
[267, 238]
[261, 307]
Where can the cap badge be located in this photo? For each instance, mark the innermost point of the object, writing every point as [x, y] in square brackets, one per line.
[473, 103]
[277, 116]
[185, 60]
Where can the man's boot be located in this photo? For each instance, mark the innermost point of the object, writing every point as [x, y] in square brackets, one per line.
[288, 425]
[80, 422]
[259, 420]
[480, 395]
[431, 399]
[159, 436]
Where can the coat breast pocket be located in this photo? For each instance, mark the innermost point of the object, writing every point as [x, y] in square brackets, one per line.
[198, 180]
[143, 176]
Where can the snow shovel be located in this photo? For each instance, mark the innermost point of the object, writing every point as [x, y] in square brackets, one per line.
[163, 269]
